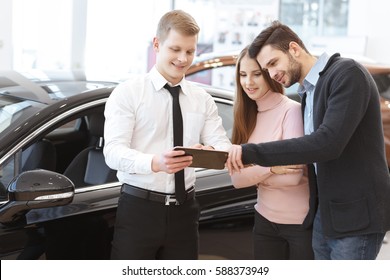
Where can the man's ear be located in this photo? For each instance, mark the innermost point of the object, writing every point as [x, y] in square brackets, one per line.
[156, 44]
[294, 49]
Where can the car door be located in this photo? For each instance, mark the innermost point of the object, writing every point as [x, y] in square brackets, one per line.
[81, 229]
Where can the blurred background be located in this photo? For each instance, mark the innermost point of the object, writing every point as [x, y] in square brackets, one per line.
[112, 39]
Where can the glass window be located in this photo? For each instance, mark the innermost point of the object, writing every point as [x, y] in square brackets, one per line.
[335, 18]
[119, 34]
[221, 77]
[225, 111]
[42, 34]
[315, 17]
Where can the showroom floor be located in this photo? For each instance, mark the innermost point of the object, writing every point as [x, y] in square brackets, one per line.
[234, 243]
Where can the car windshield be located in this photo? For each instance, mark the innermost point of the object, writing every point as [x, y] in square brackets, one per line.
[13, 110]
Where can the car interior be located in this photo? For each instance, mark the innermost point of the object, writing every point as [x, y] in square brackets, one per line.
[89, 166]
[41, 154]
[73, 148]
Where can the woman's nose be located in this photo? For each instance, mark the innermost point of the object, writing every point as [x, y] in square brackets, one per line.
[248, 80]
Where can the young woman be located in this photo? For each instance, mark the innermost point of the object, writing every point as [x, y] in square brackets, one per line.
[263, 113]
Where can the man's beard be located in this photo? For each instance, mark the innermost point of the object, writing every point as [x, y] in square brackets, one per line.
[294, 71]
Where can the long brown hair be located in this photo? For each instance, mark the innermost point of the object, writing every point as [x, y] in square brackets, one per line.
[245, 109]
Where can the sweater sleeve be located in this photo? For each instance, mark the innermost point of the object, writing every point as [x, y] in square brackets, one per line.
[250, 176]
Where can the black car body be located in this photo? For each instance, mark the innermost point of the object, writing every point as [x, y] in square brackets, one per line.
[47, 211]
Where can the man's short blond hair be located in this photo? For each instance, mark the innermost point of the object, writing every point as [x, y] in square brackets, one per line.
[178, 20]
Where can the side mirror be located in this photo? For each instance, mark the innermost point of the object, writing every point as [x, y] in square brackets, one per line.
[35, 189]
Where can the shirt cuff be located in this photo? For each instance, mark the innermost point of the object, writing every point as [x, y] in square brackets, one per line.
[143, 164]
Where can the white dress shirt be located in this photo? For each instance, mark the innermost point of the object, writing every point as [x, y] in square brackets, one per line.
[139, 125]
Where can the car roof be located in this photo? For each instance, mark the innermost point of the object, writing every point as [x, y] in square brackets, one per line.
[43, 87]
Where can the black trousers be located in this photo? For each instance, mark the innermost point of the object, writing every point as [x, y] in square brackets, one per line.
[150, 230]
[281, 241]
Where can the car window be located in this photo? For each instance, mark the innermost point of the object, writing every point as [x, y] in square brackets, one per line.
[220, 77]
[6, 175]
[53, 150]
[226, 113]
[383, 83]
[40, 154]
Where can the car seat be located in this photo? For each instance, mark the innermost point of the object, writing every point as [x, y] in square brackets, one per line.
[41, 154]
[89, 166]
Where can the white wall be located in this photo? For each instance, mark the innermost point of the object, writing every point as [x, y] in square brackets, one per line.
[371, 18]
[6, 35]
[368, 19]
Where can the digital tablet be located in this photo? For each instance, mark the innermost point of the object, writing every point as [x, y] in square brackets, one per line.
[210, 159]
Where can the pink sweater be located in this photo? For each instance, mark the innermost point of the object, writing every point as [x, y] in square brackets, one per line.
[282, 199]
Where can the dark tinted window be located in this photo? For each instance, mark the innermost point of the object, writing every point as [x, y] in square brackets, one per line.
[6, 175]
[383, 83]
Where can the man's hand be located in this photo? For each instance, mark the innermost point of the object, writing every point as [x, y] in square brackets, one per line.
[171, 161]
[234, 161]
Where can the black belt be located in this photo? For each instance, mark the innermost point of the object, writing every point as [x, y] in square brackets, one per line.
[167, 199]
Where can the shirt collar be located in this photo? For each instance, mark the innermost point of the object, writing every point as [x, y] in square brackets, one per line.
[159, 81]
[311, 79]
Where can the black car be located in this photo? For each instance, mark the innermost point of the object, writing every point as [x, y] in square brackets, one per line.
[58, 198]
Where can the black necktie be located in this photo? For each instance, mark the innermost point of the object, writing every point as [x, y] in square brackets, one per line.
[177, 140]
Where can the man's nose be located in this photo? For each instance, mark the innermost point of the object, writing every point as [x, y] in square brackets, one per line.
[272, 73]
[182, 57]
